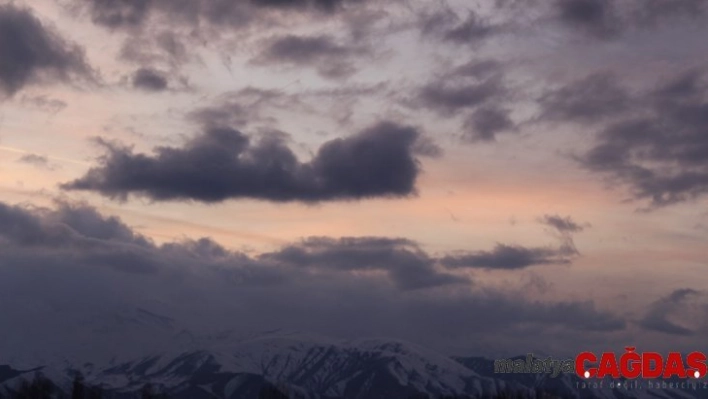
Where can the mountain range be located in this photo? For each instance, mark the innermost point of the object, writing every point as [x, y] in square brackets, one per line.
[303, 365]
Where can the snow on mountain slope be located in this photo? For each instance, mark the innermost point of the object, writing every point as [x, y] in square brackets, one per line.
[315, 364]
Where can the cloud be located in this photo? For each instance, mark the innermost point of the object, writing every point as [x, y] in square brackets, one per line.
[227, 112]
[166, 47]
[119, 13]
[562, 224]
[513, 257]
[33, 53]
[477, 89]
[479, 69]
[485, 123]
[169, 31]
[325, 5]
[223, 163]
[508, 257]
[34, 159]
[659, 314]
[565, 228]
[448, 96]
[404, 262]
[300, 49]
[39, 161]
[660, 152]
[79, 232]
[655, 12]
[330, 58]
[253, 104]
[261, 108]
[245, 106]
[471, 30]
[82, 270]
[652, 141]
[596, 17]
[133, 14]
[149, 79]
[686, 85]
[44, 103]
[447, 26]
[592, 99]
[609, 20]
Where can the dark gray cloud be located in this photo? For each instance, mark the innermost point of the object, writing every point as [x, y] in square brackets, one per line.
[326, 5]
[565, 227]
[485, 123]
[87, 265]
[168, 31]
[597, 17]
[34, 159]
[448, 96]
[133, 14]
[87, 222]
[78, 232]
[39, 161]
[606, 19]
[448, 26]
[404, 262]
[257, 105]
[592, 99]
[31, 52]
[246, 106]
[689, 85]
[652, 141]
[470, 31]
[119, 13]
[479, 69]
[254, 107]
[224, 164]
[44, 103]
[508, 257]
[659, 315]
[562, 224]
[22, 228]
[660, 152]
[512, 257]
[149, 79]
[82, 235]
[463, 89]
[298, 49]
[476, 89]
[654, 12]
[153, 48]
[330, 58]
[227, 112]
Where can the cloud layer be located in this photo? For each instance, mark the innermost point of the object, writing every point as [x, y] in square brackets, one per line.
[93, 268]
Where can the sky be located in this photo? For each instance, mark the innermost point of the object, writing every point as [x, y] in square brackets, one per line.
[486, 177]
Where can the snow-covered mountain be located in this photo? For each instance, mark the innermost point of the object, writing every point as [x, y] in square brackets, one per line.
[310, 366]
